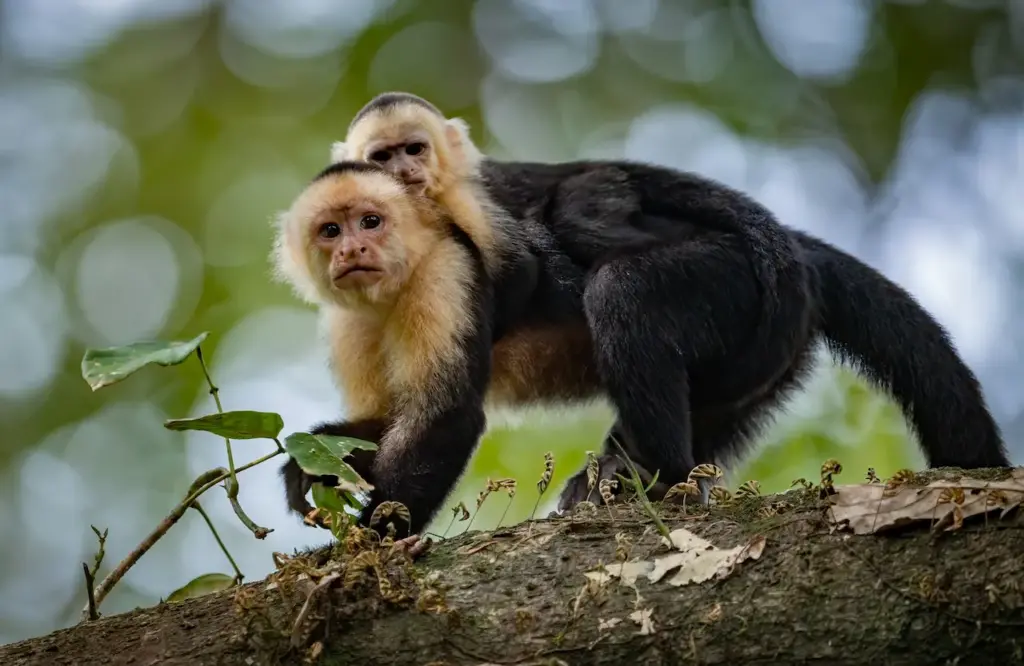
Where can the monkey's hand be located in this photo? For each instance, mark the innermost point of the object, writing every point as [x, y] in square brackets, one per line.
[577, 489]
[413, 546]
[297, 483]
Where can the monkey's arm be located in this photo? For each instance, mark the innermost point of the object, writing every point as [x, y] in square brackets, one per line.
[437, 428]
[297, 483]
[420, 470]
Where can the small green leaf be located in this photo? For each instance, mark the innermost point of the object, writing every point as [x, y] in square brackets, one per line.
[352, 500]
[242, 424]
[320, 455]
[103, 367]
[205, 584]
[328, 498]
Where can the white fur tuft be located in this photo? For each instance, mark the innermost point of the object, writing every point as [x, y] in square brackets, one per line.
[471, 155]
[339, 152]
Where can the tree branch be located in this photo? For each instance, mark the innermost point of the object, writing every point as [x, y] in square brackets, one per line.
[520, 596]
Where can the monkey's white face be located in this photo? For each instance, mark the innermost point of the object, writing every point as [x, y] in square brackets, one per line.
[425, 151]
[351, 240]
[411, 157]
[408, 141]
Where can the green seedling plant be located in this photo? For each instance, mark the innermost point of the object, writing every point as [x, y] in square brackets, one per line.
[641, 491]
[315, 454]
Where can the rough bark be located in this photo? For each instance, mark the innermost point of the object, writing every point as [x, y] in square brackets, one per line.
[816, 594]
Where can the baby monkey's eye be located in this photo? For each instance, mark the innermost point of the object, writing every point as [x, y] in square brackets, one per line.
[369, 222]
[414, 148]
[329, 230]
[380, 156]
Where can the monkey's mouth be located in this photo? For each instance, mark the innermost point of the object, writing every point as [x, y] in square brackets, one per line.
[357, 272]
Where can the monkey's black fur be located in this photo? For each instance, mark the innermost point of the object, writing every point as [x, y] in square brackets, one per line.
[386, 101]
[873, 324]
[702, 311]
[352, 166]
[678, 265]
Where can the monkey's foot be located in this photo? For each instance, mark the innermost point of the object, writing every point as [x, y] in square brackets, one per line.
[608, 467]
[577, 490]
[413, 546]
[313, 519]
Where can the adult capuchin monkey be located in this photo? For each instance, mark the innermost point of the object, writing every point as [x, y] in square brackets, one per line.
[682, 301]
[408, 308]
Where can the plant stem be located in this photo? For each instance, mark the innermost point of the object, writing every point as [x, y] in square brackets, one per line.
[478, 507]
[103, 589]
[346, 522]
[536, 504]
[503, 513]
[529, 526]
[232, 490]
[325, 582]
[215, 392]
[445, 535]
[227, 554]
[89, 579]
[639, 485]
[98, 559]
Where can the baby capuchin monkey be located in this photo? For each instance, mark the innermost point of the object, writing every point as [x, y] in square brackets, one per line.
[684, 303]
[408, 307]
[435, 158]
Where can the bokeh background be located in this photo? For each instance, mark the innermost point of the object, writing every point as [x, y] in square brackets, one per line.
[144, 147]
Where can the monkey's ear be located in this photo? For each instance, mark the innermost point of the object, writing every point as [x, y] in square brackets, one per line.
[339, 152]
[456, 131]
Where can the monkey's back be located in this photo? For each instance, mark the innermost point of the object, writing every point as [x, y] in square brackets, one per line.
[599, 209]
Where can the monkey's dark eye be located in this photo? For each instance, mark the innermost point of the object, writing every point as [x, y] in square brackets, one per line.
[329, 230]
[380, 156]
[369, 222]
[414, 148]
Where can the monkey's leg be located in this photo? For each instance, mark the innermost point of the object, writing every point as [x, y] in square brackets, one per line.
[433, 437]
[723, 438]
[655, 316]
[720, 435]
[609, 465]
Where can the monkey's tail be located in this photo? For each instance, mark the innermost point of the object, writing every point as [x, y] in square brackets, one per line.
[878, 327]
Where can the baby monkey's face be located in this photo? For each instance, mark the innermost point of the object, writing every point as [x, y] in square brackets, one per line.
[409, 156]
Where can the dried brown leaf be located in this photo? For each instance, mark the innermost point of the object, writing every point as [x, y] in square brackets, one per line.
[871, 508]
[697, 560]
[718, 563]
[628, 572]
[643, 618]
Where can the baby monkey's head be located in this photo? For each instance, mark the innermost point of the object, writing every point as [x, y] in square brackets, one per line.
[353, 237]
[410, 138]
